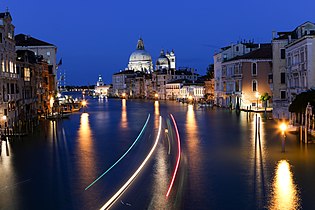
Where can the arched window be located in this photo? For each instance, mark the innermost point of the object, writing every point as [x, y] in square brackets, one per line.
[254, 69]
[254, 85]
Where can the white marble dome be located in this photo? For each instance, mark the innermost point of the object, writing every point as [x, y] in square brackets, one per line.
[140, 55]
[140, 60]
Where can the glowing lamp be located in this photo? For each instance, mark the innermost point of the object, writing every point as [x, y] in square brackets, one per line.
[283, 127]
[84, 103]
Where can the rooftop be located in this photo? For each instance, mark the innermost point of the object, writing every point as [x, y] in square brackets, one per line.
[26, 40]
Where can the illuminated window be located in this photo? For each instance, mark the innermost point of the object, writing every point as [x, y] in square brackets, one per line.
[48, 53]
[11, 66]
[27, 74]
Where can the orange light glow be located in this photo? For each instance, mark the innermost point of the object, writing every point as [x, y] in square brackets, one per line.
[285, 193]
[84, 103]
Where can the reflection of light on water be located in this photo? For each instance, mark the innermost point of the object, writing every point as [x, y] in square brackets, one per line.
[124, 122]
[10, 182]
[85, 148]
[160, 170]
[259, 159]
[285, 194]
[158, 200]
[124, 187]
[156, 114]
[193, 144]
[191, 126]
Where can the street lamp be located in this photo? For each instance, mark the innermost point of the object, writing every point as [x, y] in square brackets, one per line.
[123, 95]
[84, 103]
[257, 96]
[156, 96]
[283, 128]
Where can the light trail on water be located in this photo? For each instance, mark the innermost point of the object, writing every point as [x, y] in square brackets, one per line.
[145, 125]
[178, 157]
[125, 186]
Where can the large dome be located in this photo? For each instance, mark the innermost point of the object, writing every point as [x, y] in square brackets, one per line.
[140, 60]
[140, 55]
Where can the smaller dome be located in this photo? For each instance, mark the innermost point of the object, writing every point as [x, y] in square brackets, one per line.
[162, 59]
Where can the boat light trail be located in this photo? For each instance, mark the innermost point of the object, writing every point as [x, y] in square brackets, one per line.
[124, 187]
[145, 125]
[178, 158]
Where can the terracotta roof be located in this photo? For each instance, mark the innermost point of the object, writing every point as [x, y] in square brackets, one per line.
[25, 40]
[264, 52]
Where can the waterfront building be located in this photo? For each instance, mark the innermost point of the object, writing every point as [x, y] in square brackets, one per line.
[173, 89]
[10, 95]
[42, 86]
[122, 82]
[101, 89]
[183, 88]
[209, 90]
[244, 78]
[227, 53]
[139, 80]
[196, 91]
[279, 88]
[30, 81]
[159, 80]
[39, 47]
[295, 51]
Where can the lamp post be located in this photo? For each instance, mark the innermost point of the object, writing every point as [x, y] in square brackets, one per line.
[257, 96]
[283, 128]
[123, 95]
[156, 96]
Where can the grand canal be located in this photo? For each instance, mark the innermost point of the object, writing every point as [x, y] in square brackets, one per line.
[221, 165]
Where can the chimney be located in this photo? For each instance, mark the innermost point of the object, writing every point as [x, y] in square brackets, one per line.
[289, 38]
[274, 34]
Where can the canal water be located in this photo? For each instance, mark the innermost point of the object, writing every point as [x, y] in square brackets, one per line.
[222, 166]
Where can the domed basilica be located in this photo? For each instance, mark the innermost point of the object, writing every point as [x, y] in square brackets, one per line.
[141, 60]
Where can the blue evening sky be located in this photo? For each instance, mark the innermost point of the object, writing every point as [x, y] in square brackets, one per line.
[97, 36]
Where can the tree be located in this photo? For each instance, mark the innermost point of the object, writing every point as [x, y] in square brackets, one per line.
[265, 98]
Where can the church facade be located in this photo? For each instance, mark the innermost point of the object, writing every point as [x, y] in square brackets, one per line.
[140, 60]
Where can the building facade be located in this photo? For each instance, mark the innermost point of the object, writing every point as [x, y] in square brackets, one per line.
[294, 66]
[227, 53]
[40, 48]
[10, 95]
[245, 78]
